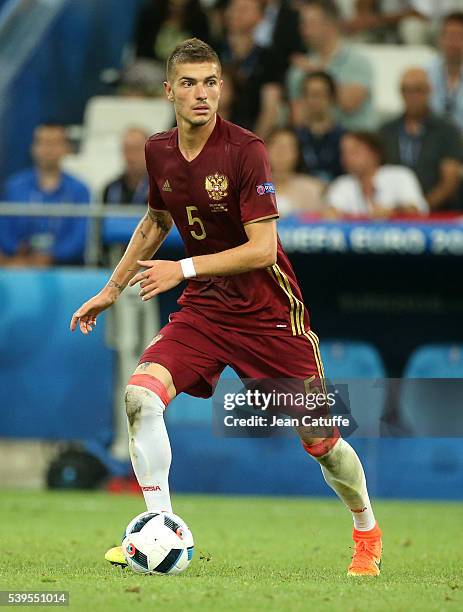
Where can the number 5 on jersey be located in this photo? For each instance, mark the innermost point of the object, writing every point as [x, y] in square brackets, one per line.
[195, 221]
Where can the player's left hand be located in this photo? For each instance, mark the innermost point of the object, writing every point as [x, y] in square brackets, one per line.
[159, 276]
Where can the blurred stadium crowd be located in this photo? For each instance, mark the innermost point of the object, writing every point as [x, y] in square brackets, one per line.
[360, 103]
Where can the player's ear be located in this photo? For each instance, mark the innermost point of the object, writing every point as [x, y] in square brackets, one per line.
[169, 91]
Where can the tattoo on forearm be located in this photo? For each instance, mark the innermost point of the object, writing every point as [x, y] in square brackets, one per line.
[145, 237]
[161, 220]
[115, 285]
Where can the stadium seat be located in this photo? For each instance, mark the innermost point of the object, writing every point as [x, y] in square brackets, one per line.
[356, 370]
[351, 360]
[95, 171]
[388, 63]
[110, 116]
[433, 407]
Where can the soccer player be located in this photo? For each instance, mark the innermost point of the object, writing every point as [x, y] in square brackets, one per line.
[242, 305]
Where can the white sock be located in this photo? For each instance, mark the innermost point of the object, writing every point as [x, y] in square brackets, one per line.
[344, 473]
[149, 446]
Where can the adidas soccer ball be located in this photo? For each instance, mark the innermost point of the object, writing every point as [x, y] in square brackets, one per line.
[158, 543]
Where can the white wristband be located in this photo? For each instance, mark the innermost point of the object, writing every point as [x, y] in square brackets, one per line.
[188, 267]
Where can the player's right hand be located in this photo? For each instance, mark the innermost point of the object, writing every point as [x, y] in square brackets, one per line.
[86, 315]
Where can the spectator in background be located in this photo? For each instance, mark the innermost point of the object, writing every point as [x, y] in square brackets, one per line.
[320, 26]
[42, 241]
[428, 144]
[369, 188]
[413, 22]
[228, 95]
[320, 135]
[278, 30]
[295, 192]
[132, 186]
[258, 93]
[446, 73]
[374, 21]
[162, 24]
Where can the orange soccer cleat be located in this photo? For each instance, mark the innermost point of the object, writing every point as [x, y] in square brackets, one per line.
[366, 560]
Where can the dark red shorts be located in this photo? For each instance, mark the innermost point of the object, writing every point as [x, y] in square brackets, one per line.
[195, 351]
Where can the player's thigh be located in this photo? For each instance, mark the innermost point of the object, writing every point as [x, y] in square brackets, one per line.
[184, 356]
[156, 370]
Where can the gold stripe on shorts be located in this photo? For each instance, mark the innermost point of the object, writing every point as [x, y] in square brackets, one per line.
[313, 339]
[294, 322]
[297, 307]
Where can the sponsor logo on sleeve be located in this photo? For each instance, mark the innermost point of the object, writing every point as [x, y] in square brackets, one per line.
[264, 188]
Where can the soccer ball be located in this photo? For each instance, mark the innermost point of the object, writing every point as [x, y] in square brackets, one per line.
[158, 543]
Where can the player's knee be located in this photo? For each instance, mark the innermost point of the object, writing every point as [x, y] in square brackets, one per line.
[134, 400]
[144, 393]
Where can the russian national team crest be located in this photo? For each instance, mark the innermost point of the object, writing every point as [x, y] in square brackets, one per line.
[216, 186]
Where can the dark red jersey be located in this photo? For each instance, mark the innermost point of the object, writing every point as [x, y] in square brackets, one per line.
[211, 199]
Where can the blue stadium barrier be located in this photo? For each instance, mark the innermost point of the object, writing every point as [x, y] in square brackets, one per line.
[433, 407]
[53, 384]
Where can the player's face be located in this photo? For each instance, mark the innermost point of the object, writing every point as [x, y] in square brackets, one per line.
[194, 90]
[50, 145]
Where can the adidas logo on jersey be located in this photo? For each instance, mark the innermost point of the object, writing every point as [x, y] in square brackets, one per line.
[166, 186]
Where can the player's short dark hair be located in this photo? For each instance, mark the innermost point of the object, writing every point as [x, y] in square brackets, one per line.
[372, 140]
[454, 17]
[321, 75]
[191, 51]
[328, 7]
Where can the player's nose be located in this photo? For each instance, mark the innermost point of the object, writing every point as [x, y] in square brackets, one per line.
[200, 92]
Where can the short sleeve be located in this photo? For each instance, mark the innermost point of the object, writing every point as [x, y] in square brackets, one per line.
[154, 198]
[256, 189]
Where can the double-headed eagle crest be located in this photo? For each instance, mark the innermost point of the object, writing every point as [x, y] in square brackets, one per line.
[216, 186]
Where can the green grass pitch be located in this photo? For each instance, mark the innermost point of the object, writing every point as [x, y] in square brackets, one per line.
[252, 553]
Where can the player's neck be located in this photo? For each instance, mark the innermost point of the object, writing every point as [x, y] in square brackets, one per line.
[192, 138]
